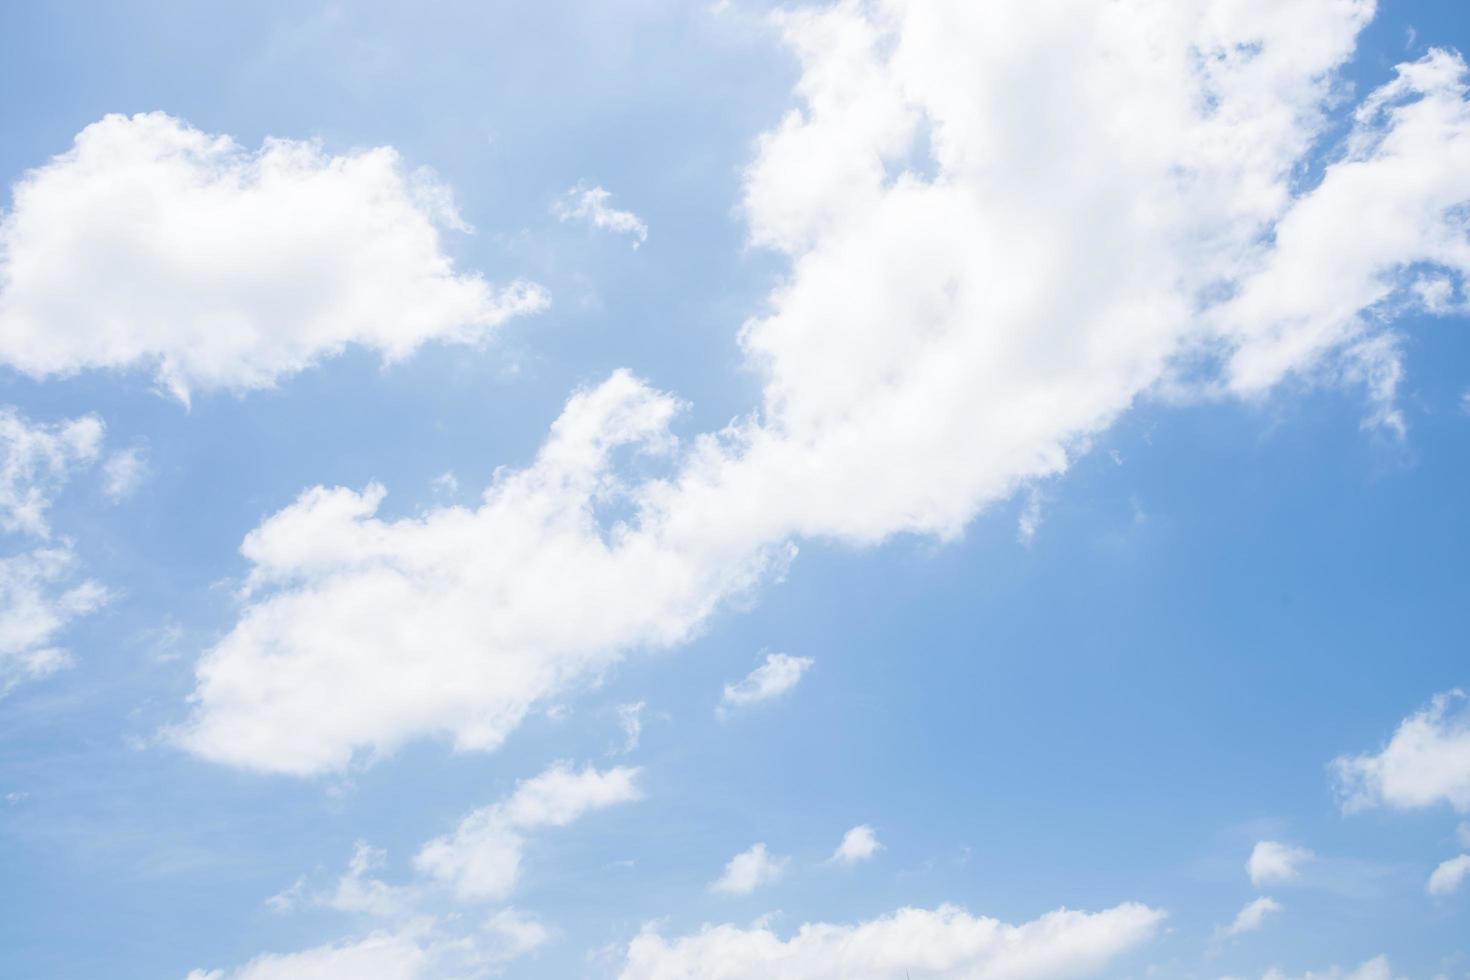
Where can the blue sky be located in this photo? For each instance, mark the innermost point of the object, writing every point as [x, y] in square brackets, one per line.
[1090, 460]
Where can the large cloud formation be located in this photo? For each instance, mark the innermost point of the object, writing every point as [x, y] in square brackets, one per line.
[1006, 224]
[152, 244]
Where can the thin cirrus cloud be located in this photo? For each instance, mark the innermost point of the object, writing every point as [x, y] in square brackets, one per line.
[946, 941]
[776, 675]
[1425, 763]
[1377, 968]
[948, 334]
[150, 244]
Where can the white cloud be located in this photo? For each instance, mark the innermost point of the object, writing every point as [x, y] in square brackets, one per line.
[358, 891]
[1272, 862]
[1447, 877]
[518, 933]
[748, 870]
[858, 844]
[123, 472]
[1252, 916]
[151, 244]
[35, 460]
[1375, 969]
[945, 942]
[779, 673]
[630, 720]
[482, 858]
[380, 956]
[966, 309]
[1426, 762]
[589, 204]
[359, 632]
[40, 596]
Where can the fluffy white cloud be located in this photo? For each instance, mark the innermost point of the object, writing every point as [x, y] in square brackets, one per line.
[1272, 862]
[1006, 223]
[482, 857]
[589, 204]
[1426, 762]
[1377, 968]
[152, 244]
[1252, 916]
[858, 844]
[748, 870]
[1447, 877]
[35, 459]
[945, 942]
[380, 956]
[779, 673]
[360, 632]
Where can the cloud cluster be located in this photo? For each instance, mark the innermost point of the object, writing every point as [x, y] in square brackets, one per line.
[927, 944]
[978, 285]
[152, 244]
[41, 591]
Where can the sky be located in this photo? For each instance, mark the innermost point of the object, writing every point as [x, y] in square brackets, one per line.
[659, 489]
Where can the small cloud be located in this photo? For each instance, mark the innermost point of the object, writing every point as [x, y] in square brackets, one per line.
[748, 870]
[630, 719]
[445, 483]
[1030, 520]
[1447, 878]
[1252, 917]
[517, 934]
[858, 844]
[287, 899]
[123, 473]
[583, 203]
[1272, 862]
[16, 797]
[779, 674]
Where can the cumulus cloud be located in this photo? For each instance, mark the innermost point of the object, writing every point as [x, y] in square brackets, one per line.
[481, 859]
[945, 942]
[589, 204]
[748, 870]
[779, 673]
[381, 956]
[459, 620]
[1252, 916]
[1447, 877]
[151, 244]
[858, 845]
[1272, 862]
[1426, 762]
[966, 309]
